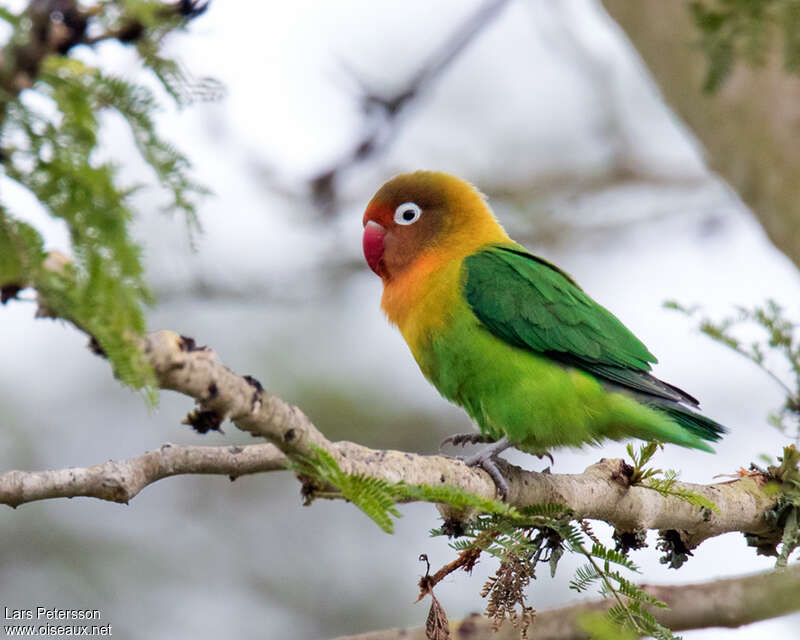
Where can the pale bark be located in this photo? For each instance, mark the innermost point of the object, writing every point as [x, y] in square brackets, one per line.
[600, 493]
[122, 480]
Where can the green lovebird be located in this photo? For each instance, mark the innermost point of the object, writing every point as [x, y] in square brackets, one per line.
[510, 337]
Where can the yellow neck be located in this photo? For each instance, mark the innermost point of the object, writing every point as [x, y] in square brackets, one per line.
[422, 296]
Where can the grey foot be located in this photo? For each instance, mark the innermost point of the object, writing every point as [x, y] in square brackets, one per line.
[485, 459]
[460, 439]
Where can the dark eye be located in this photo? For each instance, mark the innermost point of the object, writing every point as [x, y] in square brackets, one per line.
[407, 213]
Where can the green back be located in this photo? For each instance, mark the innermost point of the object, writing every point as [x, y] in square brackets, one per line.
[532, 304]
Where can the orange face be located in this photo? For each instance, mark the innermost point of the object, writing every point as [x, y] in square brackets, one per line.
[405, 217]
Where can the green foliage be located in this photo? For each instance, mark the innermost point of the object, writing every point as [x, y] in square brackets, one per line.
[453, 496]
[9, 16]
[778, 340]
[791, 536]
[786, 513]
[664, 482]
[377, 498]
[646, 451]
[634, 617]
[601, 627]
[629, 614]
[611, 556]
[21, 251]
[137, 105]
[544, 538]
[669, 486]
[521, 539]
[177, 81]
[539, 534]
[534, 538]
[50, 146]
[733, 30]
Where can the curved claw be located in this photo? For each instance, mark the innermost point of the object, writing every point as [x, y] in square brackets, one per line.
[546, 454]
[461, 439]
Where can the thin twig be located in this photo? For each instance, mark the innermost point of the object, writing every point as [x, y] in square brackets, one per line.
[382, 113]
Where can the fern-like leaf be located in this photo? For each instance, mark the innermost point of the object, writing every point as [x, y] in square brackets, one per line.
[585, 577]
[613, 556]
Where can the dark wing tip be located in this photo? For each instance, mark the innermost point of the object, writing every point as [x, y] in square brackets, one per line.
[700, 425]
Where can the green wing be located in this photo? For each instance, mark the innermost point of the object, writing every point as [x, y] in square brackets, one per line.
[532, 304]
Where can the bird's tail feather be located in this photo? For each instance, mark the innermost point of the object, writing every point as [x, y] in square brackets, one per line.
[699, 425]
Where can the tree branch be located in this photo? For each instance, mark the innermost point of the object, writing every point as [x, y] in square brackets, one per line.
[731, 602]
[55, 27]
[600, 493]
[120, 481]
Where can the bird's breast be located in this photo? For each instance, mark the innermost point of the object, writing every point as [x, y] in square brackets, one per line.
[423, 299]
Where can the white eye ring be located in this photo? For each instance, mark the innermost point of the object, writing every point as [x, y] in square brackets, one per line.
[407, 213]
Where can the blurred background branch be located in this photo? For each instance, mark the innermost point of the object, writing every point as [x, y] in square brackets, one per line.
[731, 603]
[742, 108]
[383, 114]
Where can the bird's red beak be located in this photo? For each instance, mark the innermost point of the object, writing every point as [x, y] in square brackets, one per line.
[374, 246]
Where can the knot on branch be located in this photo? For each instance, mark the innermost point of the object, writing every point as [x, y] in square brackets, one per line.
[170, 351]
[204, 420]
[630, 540]
[613, 469]
[9, 292]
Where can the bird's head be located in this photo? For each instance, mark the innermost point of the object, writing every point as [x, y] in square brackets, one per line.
[415, 213]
